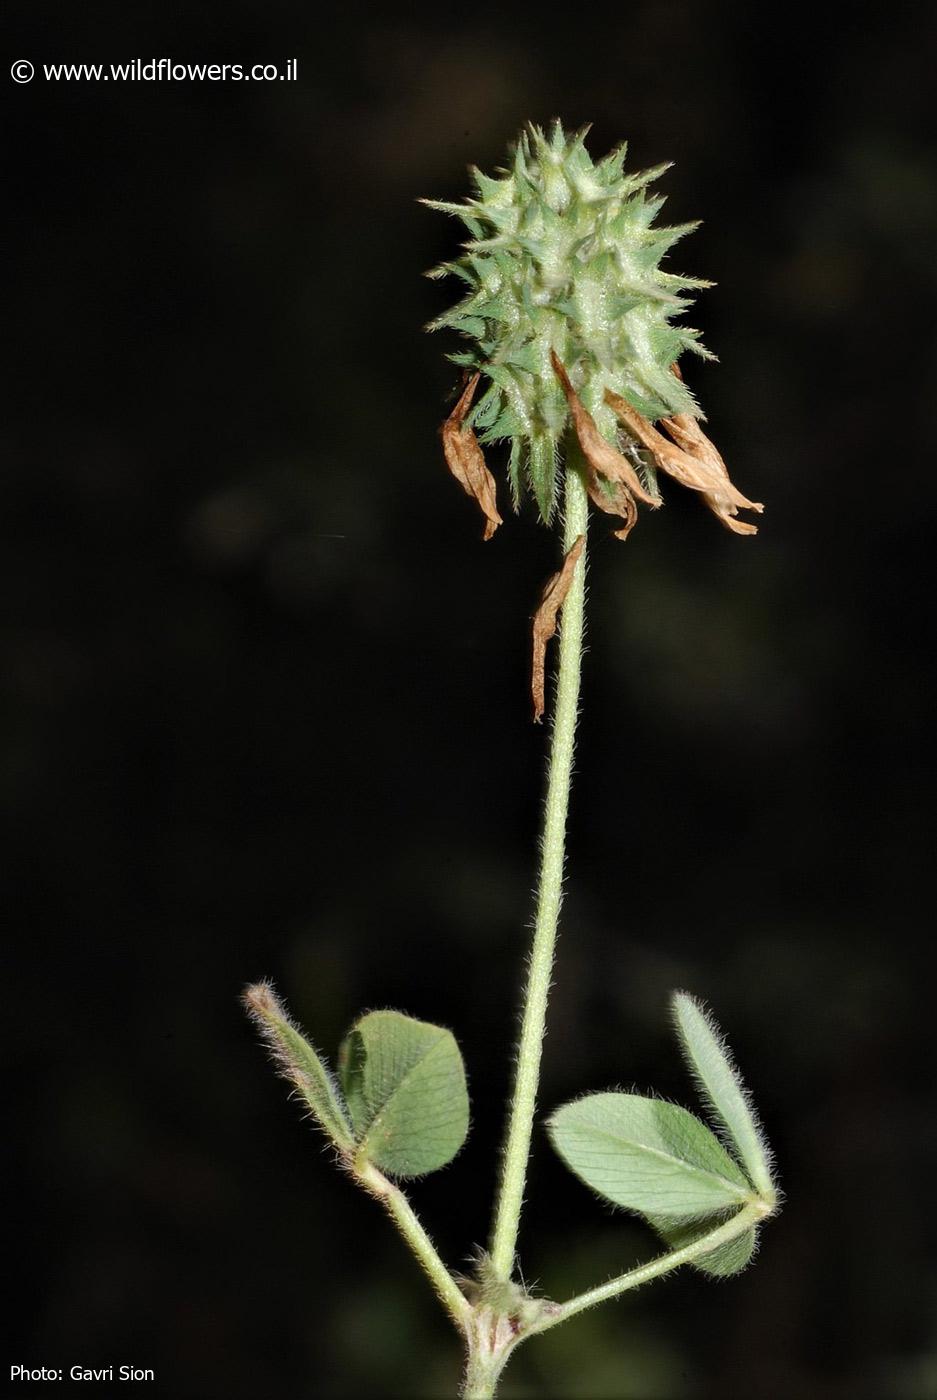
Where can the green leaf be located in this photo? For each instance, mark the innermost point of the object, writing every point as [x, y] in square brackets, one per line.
[725, 1260]
[404, 1082]
[722, 1087]
[299, 1064]
[648, 1156]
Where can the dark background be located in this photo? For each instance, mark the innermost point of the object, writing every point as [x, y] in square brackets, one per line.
[265, 692]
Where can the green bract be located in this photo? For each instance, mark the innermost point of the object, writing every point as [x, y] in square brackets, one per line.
[563, 257]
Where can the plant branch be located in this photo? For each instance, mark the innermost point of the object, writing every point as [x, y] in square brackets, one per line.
[549, 898]
[405, 1218]
[749, 1215]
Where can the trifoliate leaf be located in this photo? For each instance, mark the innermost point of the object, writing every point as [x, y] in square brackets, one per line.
[722, 1087]
[648, 1156]
[404, 1083]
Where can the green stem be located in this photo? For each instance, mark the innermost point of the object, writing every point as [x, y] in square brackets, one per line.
[491, 1341]
[481, 1377]
[549, 899]
[405, 1218]
[749, 1215]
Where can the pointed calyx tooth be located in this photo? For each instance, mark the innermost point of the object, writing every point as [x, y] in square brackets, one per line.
[466, 462]
[606, 465]
[689, 458]
[544, 623]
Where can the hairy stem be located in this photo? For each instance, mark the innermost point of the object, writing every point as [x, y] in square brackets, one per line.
[750, 1215]
[481, 1377]
[550, 893]
[490, 1343]
[405, 1218]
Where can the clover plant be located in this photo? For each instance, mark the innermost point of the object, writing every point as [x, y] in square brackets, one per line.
[571, 333]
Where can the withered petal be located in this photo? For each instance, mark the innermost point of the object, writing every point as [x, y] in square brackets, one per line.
[603, 459]
[544, 623]
[728, 517]
[723, 499]
[687, 434]
[466, 462]
[668, 457]
[621, 503]
[691, 459]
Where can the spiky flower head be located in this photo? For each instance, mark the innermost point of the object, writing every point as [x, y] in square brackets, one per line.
[572, 322]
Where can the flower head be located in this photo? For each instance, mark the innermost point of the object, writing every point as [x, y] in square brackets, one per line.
[570, 322]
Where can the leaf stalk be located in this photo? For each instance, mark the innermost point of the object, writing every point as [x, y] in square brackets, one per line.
[408, 1223]
[749, 1215]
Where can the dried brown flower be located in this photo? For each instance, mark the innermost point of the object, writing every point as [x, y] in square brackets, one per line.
[690, 459]
[612, 481]
[465, 459]
[544, 623]
[719, 494]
